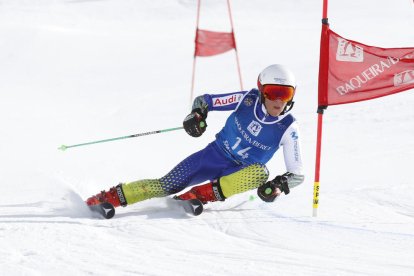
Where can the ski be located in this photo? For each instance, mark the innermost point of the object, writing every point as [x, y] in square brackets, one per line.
[106, 209]
[192, 206]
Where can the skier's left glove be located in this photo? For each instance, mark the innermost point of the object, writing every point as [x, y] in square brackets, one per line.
[195, 122]
[269, 191]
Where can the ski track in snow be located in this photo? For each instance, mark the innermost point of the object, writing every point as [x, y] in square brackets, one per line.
[251, 228]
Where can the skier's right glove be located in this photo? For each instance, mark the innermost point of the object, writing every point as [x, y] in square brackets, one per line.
[267, 192]
[195, 122]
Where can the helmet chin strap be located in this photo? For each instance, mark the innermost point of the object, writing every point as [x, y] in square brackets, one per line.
[288, 107]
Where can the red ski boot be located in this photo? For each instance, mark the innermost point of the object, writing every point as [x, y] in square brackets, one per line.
[115, 196]
[205, 193]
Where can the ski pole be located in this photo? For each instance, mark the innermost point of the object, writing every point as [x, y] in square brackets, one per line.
[64, 147]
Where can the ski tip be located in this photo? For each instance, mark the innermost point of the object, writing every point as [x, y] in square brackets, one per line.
[193, 206]
[106, 210]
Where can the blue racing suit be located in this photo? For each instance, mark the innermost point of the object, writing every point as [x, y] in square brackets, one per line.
[237, 157]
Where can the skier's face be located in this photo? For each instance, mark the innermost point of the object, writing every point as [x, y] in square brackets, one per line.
[274, 108]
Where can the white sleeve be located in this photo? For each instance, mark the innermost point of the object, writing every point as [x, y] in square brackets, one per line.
[291, 149]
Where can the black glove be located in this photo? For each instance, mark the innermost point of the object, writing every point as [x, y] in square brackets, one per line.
[195, 122]
[267, 191]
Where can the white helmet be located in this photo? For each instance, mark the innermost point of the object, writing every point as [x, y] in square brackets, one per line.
[279, 75]
[276, 74]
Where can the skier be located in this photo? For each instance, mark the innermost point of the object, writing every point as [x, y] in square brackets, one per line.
[235, 161]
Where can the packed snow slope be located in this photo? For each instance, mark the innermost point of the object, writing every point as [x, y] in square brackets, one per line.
[74, 71]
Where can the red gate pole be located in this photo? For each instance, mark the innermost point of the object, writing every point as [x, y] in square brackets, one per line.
[322, 89]
[317, 163]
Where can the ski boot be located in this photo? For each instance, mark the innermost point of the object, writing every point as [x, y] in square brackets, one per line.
[114, 196]
[205, 193]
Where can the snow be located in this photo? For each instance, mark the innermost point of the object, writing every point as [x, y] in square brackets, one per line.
[74, 71]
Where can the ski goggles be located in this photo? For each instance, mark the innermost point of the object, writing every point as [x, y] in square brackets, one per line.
[274, 91]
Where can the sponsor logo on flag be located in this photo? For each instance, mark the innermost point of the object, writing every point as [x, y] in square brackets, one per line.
[372, 72]
[348, 51]
[405, 77]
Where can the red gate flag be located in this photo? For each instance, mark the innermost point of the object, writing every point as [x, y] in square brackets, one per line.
[210, 43]
[351, 71]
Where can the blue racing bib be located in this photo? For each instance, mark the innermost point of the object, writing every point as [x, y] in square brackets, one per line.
[249, 136]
